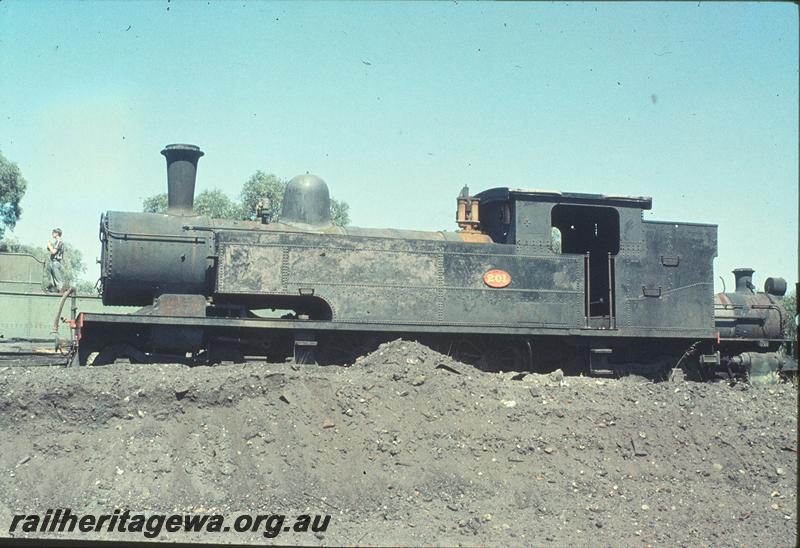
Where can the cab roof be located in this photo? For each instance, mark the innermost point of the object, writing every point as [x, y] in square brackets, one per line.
[505, 194]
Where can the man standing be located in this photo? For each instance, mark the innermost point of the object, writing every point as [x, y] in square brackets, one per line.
[56, 249]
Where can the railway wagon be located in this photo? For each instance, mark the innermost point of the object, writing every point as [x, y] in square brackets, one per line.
[27, 311]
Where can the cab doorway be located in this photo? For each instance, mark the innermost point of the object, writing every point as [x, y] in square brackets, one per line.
[593, 232]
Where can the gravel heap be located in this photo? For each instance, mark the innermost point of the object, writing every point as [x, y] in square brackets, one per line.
[406, 447]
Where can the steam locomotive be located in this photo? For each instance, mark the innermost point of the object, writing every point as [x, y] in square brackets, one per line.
[617, 294]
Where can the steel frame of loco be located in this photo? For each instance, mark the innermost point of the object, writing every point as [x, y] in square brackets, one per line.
[620, 294]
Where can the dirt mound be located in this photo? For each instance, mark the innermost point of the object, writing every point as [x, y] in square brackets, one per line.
[406, 447]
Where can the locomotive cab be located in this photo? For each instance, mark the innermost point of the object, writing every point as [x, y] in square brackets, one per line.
[586, 225]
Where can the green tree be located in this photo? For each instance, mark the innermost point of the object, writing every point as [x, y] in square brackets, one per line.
[265, 188]
[155, 204]
[340, 212]
[555, 240]
[260, 190]
[211, 203]
[215, 204]
[12, 189]
[790, 306]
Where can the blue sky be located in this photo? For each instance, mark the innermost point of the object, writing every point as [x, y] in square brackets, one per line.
[398, 105]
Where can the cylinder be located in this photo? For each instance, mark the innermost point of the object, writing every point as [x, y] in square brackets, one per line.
[181, 176]
[461, 211]
[474, 216]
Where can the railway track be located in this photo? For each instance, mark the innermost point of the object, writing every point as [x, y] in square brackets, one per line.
[23, 353]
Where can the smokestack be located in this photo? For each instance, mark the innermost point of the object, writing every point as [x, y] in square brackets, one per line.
[744, 280]
[181, 175]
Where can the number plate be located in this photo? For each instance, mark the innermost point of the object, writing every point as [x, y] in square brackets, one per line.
[497, 278]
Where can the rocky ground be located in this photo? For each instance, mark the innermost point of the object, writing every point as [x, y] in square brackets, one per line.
[406, 447]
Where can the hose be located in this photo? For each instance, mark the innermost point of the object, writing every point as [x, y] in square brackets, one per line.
[64, 297]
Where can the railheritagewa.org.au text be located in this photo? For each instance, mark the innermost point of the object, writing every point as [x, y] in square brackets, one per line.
[62, 520]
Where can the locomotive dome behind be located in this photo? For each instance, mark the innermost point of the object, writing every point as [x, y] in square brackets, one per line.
[620, 294]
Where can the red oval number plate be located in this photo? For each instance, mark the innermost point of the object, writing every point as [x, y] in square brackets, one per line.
[497, 278]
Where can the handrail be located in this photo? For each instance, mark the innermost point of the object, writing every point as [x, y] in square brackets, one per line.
[588, 289]
[34, 257]
[611, 320]
[157, 237]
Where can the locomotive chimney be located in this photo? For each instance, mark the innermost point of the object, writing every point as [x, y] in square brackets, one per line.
[181, 175]
[744, 280]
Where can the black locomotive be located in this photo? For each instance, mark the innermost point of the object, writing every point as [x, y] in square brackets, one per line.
[617, 294]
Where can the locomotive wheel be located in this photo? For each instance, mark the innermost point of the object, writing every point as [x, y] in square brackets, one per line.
[470, 350]
[510, 356]
[113, 352]
[491, 354]
[221, 351]
[345, 348]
